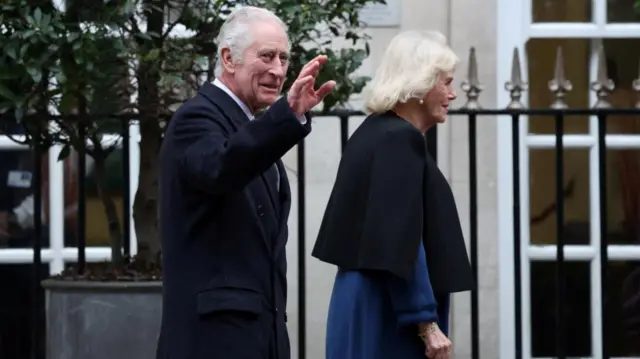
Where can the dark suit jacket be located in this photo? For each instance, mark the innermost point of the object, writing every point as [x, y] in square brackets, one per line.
[224, 229]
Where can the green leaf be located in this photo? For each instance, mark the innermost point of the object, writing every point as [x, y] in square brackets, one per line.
[7, 94]
[11, 51]
[65, 152]
[36, 74]
[37, 16]
[18, 113]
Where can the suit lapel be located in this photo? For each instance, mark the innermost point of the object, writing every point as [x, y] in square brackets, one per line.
[284, 196]
[238, 118]
[269, 177]
[228, 107]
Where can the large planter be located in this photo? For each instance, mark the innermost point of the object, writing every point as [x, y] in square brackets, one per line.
[102, 320]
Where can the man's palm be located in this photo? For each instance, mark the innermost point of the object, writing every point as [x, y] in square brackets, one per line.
[303, 97]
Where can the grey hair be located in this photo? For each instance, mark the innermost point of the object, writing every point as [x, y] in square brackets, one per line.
[411, 66]
[235, 33]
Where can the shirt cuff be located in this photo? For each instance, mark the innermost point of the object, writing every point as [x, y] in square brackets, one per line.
[302, 119]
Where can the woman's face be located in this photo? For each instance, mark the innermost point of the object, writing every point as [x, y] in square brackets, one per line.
[436, 101]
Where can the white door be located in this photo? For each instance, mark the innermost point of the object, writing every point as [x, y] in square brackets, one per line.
[580, 27]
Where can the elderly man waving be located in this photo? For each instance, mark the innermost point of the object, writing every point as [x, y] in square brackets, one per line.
[225, 197]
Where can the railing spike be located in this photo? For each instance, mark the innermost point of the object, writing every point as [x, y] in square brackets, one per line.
[471, 86]
[516, 86]
[559, 85]
[636, 86]
[603, 85]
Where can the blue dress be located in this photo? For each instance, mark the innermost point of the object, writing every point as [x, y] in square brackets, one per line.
[373, 315]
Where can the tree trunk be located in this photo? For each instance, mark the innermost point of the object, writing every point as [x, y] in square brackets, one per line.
[145, 206]
[115, 231]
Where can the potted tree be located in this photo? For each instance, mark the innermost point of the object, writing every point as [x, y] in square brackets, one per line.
[87, 63]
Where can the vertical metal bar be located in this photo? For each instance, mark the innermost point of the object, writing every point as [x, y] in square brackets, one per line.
[604, 259]
[344, 132]
[515, 150]
[302, 265]
[126, 190]
[82, 213]
[473, 230]
[36, 302]
[560, 265]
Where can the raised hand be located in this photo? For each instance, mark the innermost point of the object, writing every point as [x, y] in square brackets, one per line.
[302, 96]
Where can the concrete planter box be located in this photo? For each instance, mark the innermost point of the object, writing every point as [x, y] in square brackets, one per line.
[102, 320]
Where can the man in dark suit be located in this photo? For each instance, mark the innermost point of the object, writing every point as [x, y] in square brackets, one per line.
[225, 198]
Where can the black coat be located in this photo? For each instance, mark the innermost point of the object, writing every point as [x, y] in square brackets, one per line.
[224, 229]
[388, 194]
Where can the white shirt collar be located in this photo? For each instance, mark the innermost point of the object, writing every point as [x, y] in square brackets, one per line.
[235, 98]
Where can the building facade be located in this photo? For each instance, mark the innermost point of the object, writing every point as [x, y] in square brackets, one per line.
[494, 28]
[537, 29]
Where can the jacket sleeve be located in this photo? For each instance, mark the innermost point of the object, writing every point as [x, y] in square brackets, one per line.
[413, 300]
[218, 162]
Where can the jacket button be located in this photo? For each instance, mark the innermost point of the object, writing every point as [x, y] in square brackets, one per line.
[260, 210]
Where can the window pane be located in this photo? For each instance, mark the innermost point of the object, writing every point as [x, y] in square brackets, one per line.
[623, 56]
[623, 201]
[623, 329]
[561, 10]
[97, 229]
[577, 309]
[622, 11]
[16, 195]
[541, 57]
[542, 196]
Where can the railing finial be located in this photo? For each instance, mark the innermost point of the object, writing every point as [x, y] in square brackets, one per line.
[636, 85]
[603, 85]
[471, 86]
[559, 85]
[516, 86]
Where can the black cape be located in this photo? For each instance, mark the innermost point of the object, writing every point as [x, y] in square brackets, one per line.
[388, 194]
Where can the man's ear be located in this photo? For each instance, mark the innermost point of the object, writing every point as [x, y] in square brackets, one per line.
[227, 60]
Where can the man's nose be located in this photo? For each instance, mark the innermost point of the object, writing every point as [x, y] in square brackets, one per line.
[452, 95]
[278, 69]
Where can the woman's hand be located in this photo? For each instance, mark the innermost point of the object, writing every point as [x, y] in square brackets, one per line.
[438, 346]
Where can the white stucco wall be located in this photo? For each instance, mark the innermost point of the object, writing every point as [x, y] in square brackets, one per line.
[465, 24]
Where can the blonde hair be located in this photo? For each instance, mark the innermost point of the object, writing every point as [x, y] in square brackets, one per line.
[410, 68]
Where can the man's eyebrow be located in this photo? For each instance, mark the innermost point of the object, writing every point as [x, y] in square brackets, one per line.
[272, 51]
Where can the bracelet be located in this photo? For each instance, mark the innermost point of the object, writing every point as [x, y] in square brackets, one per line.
[426, 329]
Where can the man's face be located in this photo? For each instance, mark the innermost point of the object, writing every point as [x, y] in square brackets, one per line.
[261, 74]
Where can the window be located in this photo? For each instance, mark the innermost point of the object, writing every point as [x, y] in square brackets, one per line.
[581, 28]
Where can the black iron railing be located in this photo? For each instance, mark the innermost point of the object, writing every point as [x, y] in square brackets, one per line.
[509, 118]
[505, 117]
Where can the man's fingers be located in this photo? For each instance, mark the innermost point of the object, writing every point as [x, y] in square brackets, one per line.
[325, 89]
[320, 59]
[300, 84]
[312, 67]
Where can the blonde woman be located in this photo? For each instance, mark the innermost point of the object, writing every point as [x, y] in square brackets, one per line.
[391, 224]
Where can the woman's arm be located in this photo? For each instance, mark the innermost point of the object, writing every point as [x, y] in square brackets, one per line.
[413, 300]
